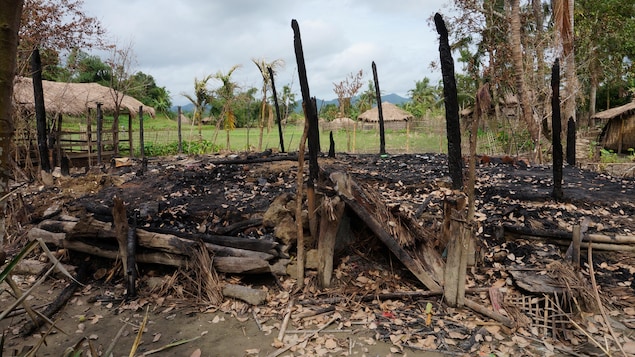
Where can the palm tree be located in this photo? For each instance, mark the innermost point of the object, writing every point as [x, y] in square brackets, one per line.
[519, 74]
[262, 65]
[201, 99]
[227, 94]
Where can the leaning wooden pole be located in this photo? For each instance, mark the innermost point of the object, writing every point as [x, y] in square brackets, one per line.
[275, 102]
[556, 131]
[142, 152]
[313, 133]
[382, 135]
[453, 126]
[307, 105]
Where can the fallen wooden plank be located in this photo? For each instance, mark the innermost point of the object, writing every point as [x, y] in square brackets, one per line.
[358, 201]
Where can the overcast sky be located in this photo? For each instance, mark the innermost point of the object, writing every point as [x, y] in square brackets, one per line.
[177, 41]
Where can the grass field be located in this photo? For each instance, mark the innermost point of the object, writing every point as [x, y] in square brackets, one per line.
[161, 132]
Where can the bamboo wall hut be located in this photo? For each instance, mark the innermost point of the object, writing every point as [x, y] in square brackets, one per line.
[394, 117]
[618, 132]
[78, 100]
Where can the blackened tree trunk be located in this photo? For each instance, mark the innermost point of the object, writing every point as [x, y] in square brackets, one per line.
[451, 101]
[382, 137]
[275, 102]
[556, 131]
[571, 141]
[40, 111]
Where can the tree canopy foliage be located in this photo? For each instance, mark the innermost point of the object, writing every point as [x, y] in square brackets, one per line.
[56, 27]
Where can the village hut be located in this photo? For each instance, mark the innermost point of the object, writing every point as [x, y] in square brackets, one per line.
[394, 117]
[74, 98]
[618, 132]
[80, 100]
[337, 124]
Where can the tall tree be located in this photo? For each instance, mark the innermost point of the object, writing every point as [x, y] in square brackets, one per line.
[201, 99]
[424, 97]
[55, 27]
[604, 56]
[266, 112]
[519, 74]
[121, 61]
[227, 94]
[563, 21]
[9, 25]
[367, 98]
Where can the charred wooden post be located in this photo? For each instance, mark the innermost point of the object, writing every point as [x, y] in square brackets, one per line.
[307, 105]
[311, 124]
[556, 131]
[275, 102]
[571, 141]
[331, 145]
[89, 136]
[144, 161]
[40, 110]
[178, 123]
[330, 217]
[453, 127]
[100, 124]
[382, 135]
[131, 261]
[54, 143]
[130, 141]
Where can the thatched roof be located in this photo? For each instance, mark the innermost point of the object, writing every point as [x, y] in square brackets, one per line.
[390, 113]
[73, 98]
[626, 109]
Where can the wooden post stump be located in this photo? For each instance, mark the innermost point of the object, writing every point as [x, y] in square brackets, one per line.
[458, 233]
[332, 212]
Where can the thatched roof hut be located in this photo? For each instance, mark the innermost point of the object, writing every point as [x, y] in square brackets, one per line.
[618, 133]
[394, 117]
[73, 98]
[337, 124]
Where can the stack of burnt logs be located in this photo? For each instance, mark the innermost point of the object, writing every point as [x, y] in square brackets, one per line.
[90, 235]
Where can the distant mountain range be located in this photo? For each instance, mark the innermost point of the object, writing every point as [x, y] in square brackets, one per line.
[390, 98]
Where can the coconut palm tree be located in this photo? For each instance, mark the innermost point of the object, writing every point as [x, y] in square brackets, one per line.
[201, 99]
[226, 93]
[265, 108]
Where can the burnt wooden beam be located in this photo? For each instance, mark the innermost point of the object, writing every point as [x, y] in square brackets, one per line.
[556, 132]
[382, 135]
[451, 101]
[40, 111]
[275, 102]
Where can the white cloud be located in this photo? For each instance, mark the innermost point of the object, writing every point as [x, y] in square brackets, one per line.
[178, 41]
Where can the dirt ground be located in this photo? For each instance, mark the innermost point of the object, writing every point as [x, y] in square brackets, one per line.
[210, 193]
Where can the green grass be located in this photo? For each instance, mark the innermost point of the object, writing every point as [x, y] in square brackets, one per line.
[161, 138]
